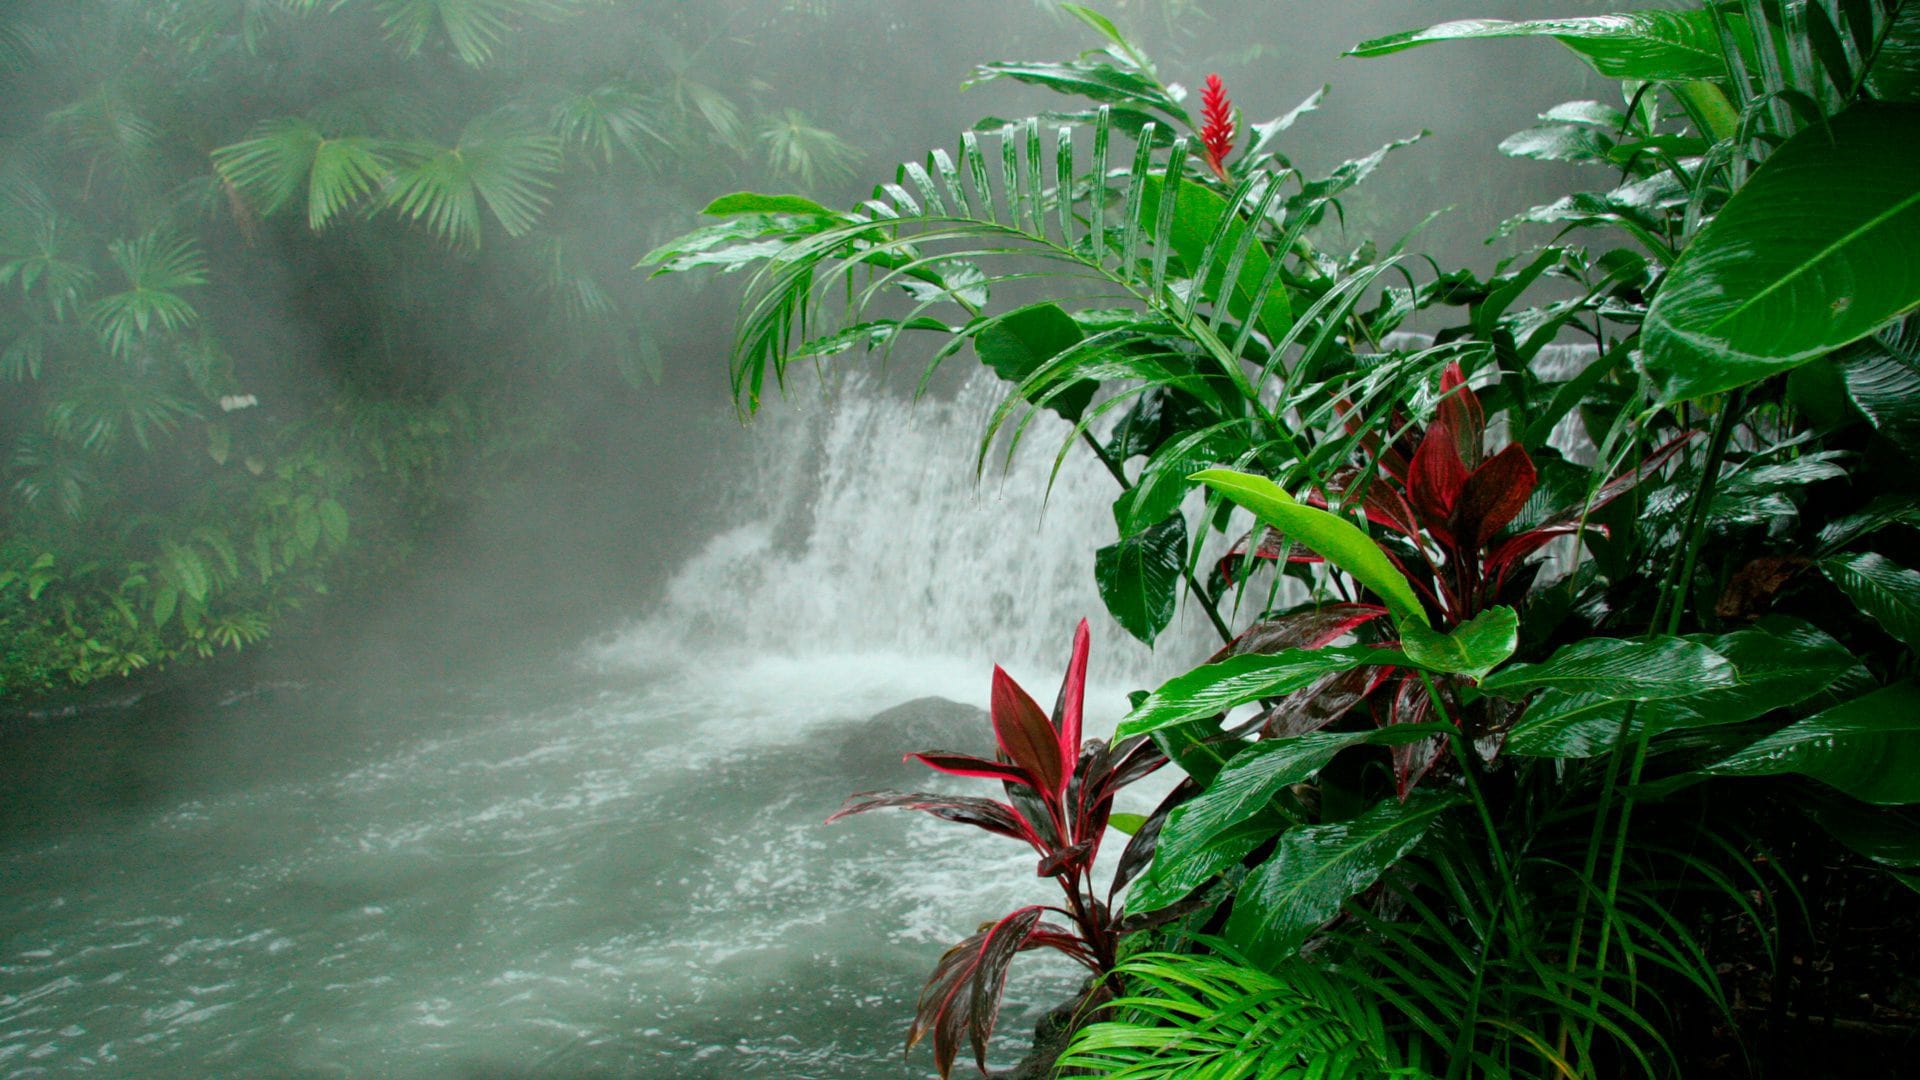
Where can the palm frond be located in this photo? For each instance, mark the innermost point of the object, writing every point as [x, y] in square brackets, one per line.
[41, 249]
[500, 161]
[115, 139]
[612, 117]
[285, 158]
[157, 267]
[473, 29]
[809, 154]
[1186, 1017]
[96, 416]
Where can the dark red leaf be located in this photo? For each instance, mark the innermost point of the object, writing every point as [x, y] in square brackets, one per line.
[995, 817]
[947, 1008]
[1493, 494]
[1314, 707]
[1065, 860]
[989, 981]
[1068, 706]
[1509, 552]
[1308, 629]
[1437, 477]
[1272, 543]
[1025, 735]
[954, 764]
[1133, 759]
[1627, 481]
[1460, 413]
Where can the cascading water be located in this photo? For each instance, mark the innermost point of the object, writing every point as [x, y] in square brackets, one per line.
[614, 868]
[865, 531]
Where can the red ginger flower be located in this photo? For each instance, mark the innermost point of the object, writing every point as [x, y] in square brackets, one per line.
[1216, 129]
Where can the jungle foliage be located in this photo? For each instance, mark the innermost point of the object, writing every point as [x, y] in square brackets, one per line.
[279, 277]
[1547, 683]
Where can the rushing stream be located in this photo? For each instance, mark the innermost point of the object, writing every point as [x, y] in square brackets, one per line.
[608, 864]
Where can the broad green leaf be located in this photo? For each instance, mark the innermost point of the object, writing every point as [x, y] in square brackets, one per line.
[1473, 648]
[1654, 46]
[1616, 668]
[1816, 251]
[1196, 215]
[1340, 541]
[1881, 376]
[1314, 869]
[1215, 688]
[1139, 577]
[1161, 886]
[1883, 589]
[1022, 341]
[1780, 663]
[1868, 747]
[1130, 824]
[1200, 836]
[1887, 836]
[747, 202]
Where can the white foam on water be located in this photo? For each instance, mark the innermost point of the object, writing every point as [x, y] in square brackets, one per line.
[862, 533]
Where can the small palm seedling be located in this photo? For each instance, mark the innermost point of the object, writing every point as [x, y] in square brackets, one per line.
[1060, 791]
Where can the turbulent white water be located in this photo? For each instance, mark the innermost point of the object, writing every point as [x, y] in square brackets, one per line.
[616, 867]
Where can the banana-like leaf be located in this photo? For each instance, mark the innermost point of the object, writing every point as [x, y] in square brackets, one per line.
[1868, 747]
[1780, 663]
[1882, 588]
[1814, 252]
[1653, 46]
[1315, 868]
[1340, 541]
[1616, 668]
[1215, 688]
[1139, 577]
[1214, 830]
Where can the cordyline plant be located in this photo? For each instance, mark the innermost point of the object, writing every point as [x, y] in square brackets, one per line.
[1445, 506]
[1060, 790]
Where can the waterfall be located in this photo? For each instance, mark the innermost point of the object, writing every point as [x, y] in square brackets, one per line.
[860, 528]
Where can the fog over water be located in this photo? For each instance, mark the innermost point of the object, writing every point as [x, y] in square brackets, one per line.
[549, 801]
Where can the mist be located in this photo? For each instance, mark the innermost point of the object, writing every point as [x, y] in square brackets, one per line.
[492, 733]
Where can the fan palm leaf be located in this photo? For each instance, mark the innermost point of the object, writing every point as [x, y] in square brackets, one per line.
[500, 161]
[284, 158]
[157, 267]
[473, 29]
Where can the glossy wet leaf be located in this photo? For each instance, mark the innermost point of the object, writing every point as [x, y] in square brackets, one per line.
[1139, 577]
[1473, 648]
[1315, 868]
[1644, 45]
[1197, 213]
[1868, 747]
[1021, 342]
[1780, 663]
[1201, 833]
[1621, 669]
[1881, 376]
[748, 202]
[1340, 541]
[1882, 588]
[1814, 252]
[1215, 688]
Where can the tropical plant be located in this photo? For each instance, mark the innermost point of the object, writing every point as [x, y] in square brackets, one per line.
[1557, 901]
[1060, 789]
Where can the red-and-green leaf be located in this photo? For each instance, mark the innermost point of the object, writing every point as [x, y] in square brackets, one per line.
[1025, 735]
